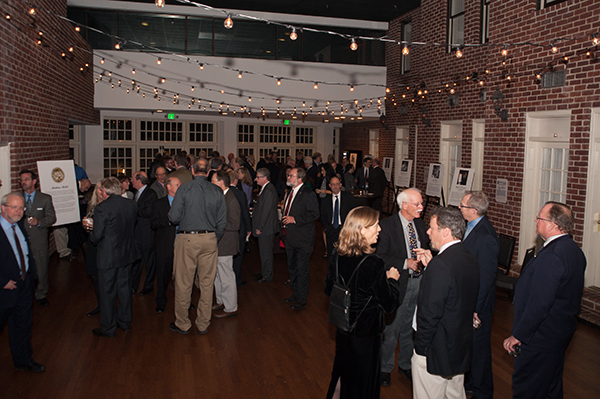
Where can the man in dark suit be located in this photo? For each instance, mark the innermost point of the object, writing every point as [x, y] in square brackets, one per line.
[228, 246]
[165, 239]
[377, 184]
[547, 301]
[113, 233]
[482, 241]
[40, 215]
[334, 209]
[245, 225]
[444, 321]
[265, 223]
[17, 272]
[300, 211]
[159, 184]
[363, 173]
[144, 235]
[399, 238]
[313, 170]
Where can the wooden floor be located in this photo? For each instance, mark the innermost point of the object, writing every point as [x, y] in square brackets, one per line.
[267, 351]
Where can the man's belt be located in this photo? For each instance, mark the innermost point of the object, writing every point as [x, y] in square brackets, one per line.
[194, 231]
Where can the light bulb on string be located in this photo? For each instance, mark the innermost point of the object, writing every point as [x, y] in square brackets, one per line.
[316, 86]
[32, 11]
[239, 75]
[351, 88]
[228, 23]
[102, 61]
[278, 82]
[118, 46]
[7, 16]
[201, 66]
[71, 49]
[505, 51]
[293, 35]
[159, 3]
[595, 40]
[459, 53]
[353, 45]
[405, 50]
[77, 29]
[162, 80]
[159, 61]
[133, 71]
[193, 88]
[553, 48]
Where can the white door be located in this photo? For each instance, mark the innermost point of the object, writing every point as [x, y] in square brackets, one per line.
[591, 227]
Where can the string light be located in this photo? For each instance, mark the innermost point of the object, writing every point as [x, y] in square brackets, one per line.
[133, 71]
[159, 3]
[554, 49]
[118, 46]
[162, 80]
[77, 29]
[71, 49]
[351, 88]
[201, 66]
[316, 86]
[193, 89]
[293, 35]
[239, 75]
[32, 11]
[102, 61]
[505, 51]
[159, 61]
[353, 45]
[459, 53]
[278, 82]
[595, 40]
[228, 23]
[7, 16]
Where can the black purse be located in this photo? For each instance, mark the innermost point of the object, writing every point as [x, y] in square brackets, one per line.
[340, 300]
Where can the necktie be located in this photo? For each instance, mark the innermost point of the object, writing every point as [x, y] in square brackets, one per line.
[287, 209]
[20, 251]
[412, 243]
[28, 204]
[336, 211]
[366, 173]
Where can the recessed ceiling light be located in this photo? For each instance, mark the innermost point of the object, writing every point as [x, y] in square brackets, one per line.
[144, 23]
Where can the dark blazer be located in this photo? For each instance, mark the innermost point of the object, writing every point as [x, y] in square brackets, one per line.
[377, 180]
[305, 210]
[245, 224]
[9, 267]
[548, 296]
[264, 215]
[143, 230]
[113, 233]
[483, 243]
[347, 203]
[165, 231]
[229, 244]
[360, 177]
[43, 210]
[445, 306]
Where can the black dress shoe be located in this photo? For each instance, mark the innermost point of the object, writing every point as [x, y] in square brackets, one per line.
[386, 381]
[407, 373]
[291, 299]
[160, 309]
[262, 280]
[203, 332]
[176, 329]
[98, 333]
[258, 275]
[258, 278]
[298, 306]
[93, 312]
[43, 301]
[146, 291]
[124, 329]
[32, 367]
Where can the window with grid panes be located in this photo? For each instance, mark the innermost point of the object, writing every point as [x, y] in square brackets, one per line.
[195, 151]
[161, 131]
[406, 32]
[147, 154]
[553, 177]
[118, 130]
[118, 160]
[306, 151]
[202, 132]
[245, 133]
[245, 151]
[304, 135]
[547, 3]
[274, 134]
[485, 21]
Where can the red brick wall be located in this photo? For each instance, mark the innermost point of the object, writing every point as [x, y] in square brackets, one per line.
[39, 90]
[504, 151]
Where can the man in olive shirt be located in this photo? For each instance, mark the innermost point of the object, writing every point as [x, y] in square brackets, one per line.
[200, 211]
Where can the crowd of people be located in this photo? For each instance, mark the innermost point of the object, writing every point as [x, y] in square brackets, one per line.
[428, 290]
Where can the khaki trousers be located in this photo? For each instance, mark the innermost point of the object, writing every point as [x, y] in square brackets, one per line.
[194, 254]
[431, 386]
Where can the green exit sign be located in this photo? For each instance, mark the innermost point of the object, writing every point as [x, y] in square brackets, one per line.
[286, 122]
[170, 116]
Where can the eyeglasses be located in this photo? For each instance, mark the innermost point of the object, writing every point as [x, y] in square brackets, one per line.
[292, 175]
[417, 204]
[537, 218]
[15, 207]
[466, 207]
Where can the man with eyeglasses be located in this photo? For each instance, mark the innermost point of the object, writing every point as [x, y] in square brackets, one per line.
[481, 240]
[399, 238]
[17, 272]
[547, 301]
[265, 223]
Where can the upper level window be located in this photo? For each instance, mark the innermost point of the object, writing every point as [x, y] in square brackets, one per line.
[485, 21]
[406, 28]
[547, 3]
[456, 23]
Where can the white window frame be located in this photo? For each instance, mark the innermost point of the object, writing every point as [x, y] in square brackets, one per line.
[450, 151]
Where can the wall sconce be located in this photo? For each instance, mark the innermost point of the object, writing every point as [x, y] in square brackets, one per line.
[497, 100]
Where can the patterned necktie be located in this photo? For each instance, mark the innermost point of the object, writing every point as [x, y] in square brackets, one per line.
[28, 204]
[20, 251]
[412, 241]
[287, 209]
[336, 211]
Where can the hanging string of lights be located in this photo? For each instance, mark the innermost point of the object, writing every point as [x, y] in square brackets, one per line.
[419, 90]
